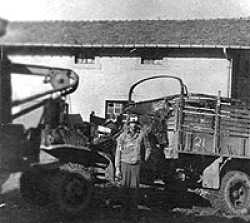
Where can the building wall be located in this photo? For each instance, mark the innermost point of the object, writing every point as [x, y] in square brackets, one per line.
[240, 75]
[110, 78]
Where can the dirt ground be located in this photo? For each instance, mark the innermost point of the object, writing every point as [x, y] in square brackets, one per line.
[155, 206]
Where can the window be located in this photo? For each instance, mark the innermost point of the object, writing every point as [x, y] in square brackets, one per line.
[152, 61]
[84, 59]
[110, 108]
[114, 108]
[118, 108]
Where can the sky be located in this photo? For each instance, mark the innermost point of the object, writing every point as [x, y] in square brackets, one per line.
[32, 10]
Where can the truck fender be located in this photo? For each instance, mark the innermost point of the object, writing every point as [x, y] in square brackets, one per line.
[211, 175]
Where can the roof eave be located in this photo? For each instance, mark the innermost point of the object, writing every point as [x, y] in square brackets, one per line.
[122, 45]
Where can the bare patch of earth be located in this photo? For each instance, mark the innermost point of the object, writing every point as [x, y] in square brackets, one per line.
[155, 206]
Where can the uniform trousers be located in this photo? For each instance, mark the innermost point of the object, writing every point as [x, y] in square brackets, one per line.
[130, 186]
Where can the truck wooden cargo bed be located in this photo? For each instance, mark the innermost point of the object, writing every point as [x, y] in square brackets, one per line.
[202, 124]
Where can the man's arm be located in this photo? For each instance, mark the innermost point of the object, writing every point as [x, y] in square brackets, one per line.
[147, 147]
[118, 152]
[118, 158]
[146, 142]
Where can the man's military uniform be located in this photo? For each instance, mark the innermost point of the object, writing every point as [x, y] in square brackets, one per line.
[129, 156]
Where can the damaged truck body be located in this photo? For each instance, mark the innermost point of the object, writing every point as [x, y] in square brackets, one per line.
[208, 144]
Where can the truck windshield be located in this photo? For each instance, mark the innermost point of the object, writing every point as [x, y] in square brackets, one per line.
[156, 88]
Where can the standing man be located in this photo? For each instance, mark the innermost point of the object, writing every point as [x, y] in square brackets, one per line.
[128, 158]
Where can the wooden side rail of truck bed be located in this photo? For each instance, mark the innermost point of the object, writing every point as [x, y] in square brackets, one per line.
[214, 127]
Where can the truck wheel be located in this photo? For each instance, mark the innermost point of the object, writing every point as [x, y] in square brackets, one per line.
[73, 193]
[234, 193]
[32, 187]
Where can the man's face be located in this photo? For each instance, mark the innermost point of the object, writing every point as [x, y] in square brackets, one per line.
[132, 127]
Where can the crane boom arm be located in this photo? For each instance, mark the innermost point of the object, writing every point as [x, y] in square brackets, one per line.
[63, 81]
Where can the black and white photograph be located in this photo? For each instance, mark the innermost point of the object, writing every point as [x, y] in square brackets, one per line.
[115, 111]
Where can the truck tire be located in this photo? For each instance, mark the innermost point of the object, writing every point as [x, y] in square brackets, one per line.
[33, 188]
[74, 190]
[234, 194]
